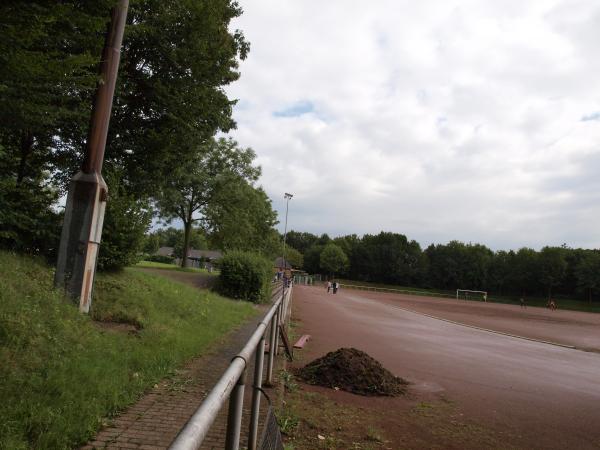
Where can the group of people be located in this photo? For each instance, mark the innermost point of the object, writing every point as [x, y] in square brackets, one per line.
[332, 286]
[551, 304]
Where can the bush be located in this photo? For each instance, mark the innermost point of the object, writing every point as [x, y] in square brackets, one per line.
[28, 223]
[160, 259]
[246, 276]
[125, 223]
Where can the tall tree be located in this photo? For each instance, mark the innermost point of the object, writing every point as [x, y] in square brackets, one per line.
[191, 191]
[552, 267]
[177, 56]
[588, 272]
[333, 259]
[240, 217]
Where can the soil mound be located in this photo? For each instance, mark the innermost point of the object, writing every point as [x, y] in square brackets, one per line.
[354, 371]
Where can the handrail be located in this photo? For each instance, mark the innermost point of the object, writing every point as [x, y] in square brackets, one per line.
[231, 385]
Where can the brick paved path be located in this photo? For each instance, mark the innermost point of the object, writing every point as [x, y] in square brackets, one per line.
[153, 422]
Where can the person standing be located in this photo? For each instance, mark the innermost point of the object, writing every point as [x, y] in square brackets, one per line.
[335, 287]
[328, 286]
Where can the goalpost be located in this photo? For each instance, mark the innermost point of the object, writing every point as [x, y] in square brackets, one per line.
[480, 294]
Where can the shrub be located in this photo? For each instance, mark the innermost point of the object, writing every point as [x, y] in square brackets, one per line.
[246, 276]
[125, 223]
[160, 259]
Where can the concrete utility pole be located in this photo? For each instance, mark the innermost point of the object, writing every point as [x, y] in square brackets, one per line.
[86, 201]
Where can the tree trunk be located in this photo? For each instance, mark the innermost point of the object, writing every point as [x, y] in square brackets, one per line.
[187, 227]
[26, 149]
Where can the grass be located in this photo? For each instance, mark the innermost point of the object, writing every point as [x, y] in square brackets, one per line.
[159, 265]
[563, 303]
[312, 421]
[62, 375]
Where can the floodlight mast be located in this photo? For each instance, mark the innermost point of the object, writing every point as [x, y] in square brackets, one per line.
[86, 201]
[288, 197]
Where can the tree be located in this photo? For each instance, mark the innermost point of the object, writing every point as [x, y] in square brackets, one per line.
[312, 259]
[552, 267]
[126, 221]
[177, 56]
[189, 193]
[240, 217]
[294, 257]
[588, 272]
[197, 240]
[48, 58]
[333, 259]
[301, 241]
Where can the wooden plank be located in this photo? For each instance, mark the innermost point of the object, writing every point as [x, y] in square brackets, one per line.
[302, 341]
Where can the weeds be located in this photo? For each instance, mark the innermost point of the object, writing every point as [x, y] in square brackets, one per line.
[288, 380]
[62, 375]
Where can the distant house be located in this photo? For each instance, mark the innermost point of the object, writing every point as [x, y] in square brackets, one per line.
[165, 251]
[196, 258]
[279, 264]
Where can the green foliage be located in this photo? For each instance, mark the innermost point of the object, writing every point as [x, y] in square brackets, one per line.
[312, 259]
[587, 272]
[27, 223]
[333, 259]
[246, 276]
[216, 187]
[159, 259]
[294, 257]
[126, 221]
[63, 374]
[151, 244]
[301, 241]
[177, 56]
[240, 217]
[552, 267]
[196, 240]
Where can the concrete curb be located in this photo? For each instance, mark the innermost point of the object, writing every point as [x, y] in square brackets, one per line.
[572, 347]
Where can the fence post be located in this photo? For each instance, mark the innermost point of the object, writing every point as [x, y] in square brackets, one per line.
[258, 371]
[271, 349]
[278, 323]
[234, 416]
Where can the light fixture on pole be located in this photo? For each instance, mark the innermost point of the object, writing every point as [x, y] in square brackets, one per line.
[288, 197]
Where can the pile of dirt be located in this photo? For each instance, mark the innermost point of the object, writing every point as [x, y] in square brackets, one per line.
[354, 371]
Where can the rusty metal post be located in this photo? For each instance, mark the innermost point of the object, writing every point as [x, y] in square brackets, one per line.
[272, 333]
[86, 201]
[256, 391]
[234, 417]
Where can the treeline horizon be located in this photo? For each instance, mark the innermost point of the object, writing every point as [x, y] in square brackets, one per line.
[391, 258]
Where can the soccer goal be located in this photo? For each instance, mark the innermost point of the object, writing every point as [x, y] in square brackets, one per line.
[468, 294]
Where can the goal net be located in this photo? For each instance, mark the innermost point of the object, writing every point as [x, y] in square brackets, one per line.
[468, 294]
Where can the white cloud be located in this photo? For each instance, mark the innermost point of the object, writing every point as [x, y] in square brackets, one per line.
[471, 120]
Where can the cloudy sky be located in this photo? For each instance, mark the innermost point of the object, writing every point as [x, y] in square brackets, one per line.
[476, 120]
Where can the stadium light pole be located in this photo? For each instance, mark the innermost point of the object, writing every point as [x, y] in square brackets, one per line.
[86, 201]
[287, 197]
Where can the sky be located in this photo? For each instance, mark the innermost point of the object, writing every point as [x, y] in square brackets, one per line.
[474, 120]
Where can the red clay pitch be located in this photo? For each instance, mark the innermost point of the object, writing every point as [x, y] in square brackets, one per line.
[541, 395]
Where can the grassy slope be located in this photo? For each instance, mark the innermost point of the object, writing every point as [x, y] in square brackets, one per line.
[61, 374]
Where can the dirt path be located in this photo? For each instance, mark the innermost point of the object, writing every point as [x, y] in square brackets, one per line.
[506, 392]
[155, 419]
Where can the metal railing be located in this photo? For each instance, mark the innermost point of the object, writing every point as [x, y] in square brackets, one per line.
[232, 383]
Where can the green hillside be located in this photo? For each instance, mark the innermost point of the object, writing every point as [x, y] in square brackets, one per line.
[62, 374]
